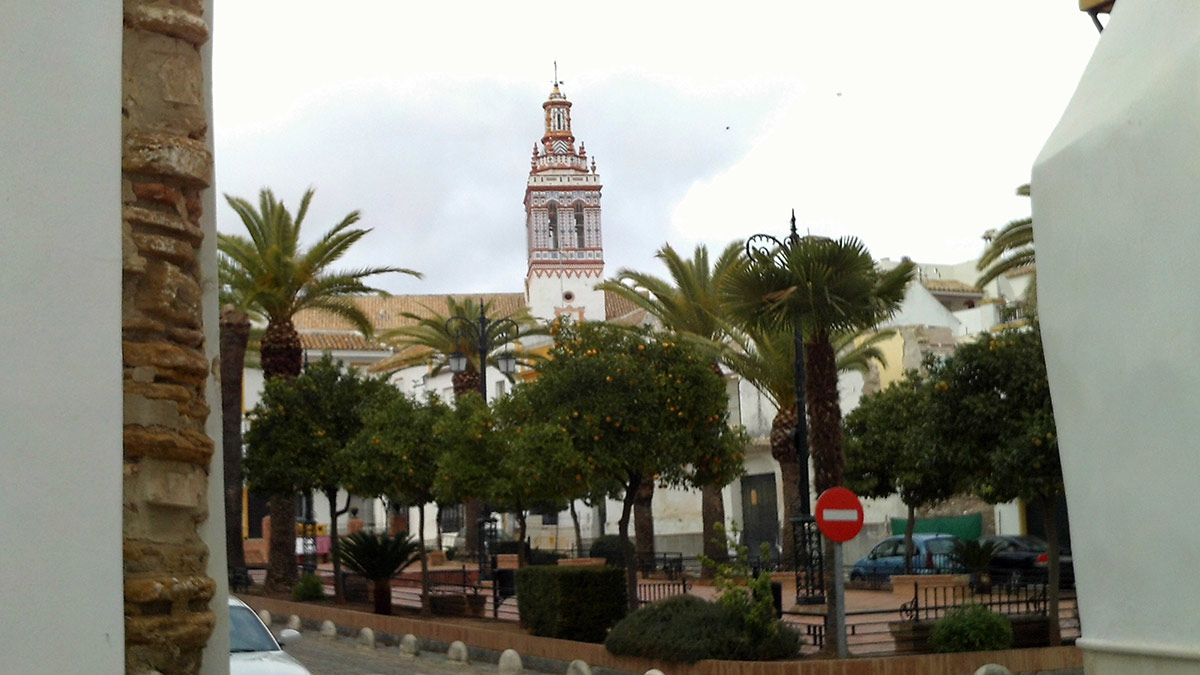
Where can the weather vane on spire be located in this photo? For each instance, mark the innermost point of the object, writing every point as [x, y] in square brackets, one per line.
[556, 80]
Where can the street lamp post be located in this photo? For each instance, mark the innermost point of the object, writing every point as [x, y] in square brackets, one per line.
[485, 333]
[764, 249]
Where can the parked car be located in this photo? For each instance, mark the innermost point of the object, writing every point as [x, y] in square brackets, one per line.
[931, 555]
[1023, 559]
[253, 650]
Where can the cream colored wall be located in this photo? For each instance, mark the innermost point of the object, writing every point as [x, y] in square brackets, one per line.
[60, 299]
[1115, 202]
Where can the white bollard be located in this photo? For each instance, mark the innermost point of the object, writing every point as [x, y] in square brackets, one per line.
[579, 667]
[328, 630]
[293, 622]
[993, 669]
[409, 647]
[265, 617]
[654, 671]
[366, 638]
[510, 663]
[457, 653]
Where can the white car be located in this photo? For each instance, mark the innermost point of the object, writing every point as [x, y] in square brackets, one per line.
[253, 650]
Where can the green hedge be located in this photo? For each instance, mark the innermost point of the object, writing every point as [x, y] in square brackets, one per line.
[685, 628]
[971, 628]
[608, 546]
[573, 603]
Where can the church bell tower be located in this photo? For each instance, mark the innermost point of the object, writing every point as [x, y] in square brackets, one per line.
[562, 222]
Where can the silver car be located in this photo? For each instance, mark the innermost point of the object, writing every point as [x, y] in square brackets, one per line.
[253, 650]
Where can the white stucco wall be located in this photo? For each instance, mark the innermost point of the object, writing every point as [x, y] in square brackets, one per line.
[920, 308]
[60, 299]
[1116, 204]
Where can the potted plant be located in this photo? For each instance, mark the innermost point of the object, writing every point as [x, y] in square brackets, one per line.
[976, 558]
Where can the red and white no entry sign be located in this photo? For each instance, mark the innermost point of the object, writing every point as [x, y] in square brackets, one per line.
[839, 514]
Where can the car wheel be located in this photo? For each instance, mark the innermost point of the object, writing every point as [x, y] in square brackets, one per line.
[856, 576]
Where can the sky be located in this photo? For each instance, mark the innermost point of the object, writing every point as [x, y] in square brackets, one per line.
[907, 125]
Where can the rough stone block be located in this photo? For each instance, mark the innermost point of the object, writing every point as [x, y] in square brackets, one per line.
[165, 18]
[179, 157]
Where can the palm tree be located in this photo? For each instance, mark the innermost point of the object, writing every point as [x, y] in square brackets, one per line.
[379, 557]
[820, 287]
[1011, 249]
[765, 358]
[690, 306]
[271, 277]
[429, 340]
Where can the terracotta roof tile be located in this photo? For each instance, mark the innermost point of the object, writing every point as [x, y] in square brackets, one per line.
[386, 312]
[348, 341]
[950, 286]
[617, 306]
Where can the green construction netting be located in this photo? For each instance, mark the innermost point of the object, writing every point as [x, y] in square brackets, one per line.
[967, 528]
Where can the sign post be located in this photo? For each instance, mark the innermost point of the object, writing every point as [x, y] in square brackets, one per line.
[840, 518]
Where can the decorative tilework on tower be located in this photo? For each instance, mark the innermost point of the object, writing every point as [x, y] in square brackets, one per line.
[562, 221]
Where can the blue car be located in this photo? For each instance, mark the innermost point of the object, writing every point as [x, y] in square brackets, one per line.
[932, 554]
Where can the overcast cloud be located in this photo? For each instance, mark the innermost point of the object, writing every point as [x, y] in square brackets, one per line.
[907, 126]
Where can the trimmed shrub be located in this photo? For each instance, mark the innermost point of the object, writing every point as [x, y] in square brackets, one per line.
[608, 546]
[971, 628]
[539, 557]
[686, 629]
[310, 588]
[573, 603]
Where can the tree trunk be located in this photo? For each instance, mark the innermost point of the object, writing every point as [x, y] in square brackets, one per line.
[437, 525]
[472, 512]
[234, 335]
[578, 531]
[1050, 519]
[712, 508]
[909, 526]
[825, 439]
[783, 449]
[631, 582]
[383, 595]
[521, 559]
[643, 520]
[335, 546]
[281, 549]
[426, 610]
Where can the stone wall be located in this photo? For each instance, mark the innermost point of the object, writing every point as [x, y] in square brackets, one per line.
[165, 168]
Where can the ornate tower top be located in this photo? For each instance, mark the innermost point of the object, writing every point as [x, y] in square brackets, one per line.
[562, 220]
[557, 149]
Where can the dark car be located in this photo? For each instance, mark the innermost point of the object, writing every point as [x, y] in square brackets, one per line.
[1024, 559]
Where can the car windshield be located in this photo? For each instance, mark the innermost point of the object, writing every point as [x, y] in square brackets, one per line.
[247, 634]
[939, 545]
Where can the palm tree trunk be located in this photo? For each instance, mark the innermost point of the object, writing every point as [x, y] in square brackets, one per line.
[281, 549]
[643, 520]
[281, 356]
[825, 439]
[234, 335]
[783, 449]
[824, 414]
[383, 595]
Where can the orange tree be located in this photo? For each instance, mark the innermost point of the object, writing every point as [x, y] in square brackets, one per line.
[395, 456]
[640, 408]
[299, 431]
